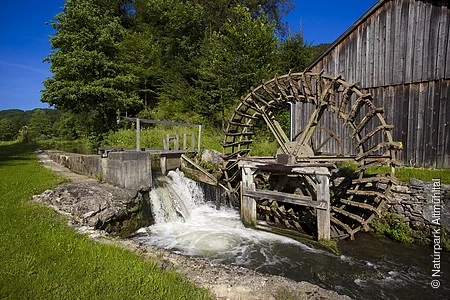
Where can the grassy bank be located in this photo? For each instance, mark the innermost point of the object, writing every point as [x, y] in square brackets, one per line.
[402, 173]
[40, 258]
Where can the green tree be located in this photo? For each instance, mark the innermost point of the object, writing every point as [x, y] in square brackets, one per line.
[8, 130]
[175, 31]
[89, 72]
[219, 11]
[40, 125]
[294, 54]
[234, 60]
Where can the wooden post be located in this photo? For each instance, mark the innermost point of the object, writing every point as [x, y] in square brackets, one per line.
[185, 146]
[323, 214]
[248, 204]
[176, 142]
[199, 137]
[138, 135]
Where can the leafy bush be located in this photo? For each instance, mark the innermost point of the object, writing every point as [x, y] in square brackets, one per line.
[392, 226]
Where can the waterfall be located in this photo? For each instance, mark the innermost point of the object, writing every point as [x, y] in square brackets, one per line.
[173, 197]
[189, 222]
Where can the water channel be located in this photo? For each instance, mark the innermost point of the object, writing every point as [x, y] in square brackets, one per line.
[368, 268]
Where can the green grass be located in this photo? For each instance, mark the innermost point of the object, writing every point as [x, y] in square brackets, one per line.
[402, 173]
[41, 258]
[152, 137]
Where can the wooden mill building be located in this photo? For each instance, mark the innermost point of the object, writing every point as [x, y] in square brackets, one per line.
[399, 51]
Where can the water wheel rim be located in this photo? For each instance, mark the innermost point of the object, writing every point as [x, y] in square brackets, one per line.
[346, 102]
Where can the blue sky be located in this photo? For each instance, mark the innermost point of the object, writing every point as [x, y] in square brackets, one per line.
[24, 40]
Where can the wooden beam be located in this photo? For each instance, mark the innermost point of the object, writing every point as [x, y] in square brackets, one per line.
[323, 215]
[299, 168]
[286, 198]
[138, 135]
[248, 204]
[206, 173]
[161, 122]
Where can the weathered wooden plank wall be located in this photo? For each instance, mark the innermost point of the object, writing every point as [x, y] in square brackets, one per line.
[401, 54]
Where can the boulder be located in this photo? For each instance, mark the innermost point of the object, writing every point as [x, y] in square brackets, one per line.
[98, 205]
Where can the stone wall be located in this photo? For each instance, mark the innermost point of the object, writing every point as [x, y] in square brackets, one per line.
[128, 170]
[89, 165]
[414, 203]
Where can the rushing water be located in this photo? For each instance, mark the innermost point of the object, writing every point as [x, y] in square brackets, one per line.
[368, 268]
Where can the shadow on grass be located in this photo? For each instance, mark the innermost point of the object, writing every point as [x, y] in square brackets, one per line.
[16, 151]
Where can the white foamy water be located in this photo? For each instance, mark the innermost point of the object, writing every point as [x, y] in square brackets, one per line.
[187, 224]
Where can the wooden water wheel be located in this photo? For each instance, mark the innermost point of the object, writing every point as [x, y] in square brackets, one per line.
[340, 123]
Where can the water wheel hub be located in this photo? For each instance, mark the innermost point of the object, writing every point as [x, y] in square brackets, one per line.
[303, 152]
[337, 122]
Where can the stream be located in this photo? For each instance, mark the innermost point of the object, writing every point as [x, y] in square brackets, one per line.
[368, 268]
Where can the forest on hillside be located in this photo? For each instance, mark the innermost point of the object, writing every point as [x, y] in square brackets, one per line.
[178, 60]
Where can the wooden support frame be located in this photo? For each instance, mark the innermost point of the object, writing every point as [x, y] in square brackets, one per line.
[321, 201]
[248, 203]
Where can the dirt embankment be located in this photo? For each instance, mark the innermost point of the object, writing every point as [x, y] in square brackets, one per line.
[224, 281]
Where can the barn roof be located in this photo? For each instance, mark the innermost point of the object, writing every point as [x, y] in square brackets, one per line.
[348, 31]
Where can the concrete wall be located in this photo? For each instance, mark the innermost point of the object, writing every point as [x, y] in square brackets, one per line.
[129, 170]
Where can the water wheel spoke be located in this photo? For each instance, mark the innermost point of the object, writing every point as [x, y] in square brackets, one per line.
[309, 129]
[271, 92]
[233, 177]
[232, 164]
[276, 130]
[360, 205]
[330, 95]
[323, 144]
[249, 103]
[260, 99]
